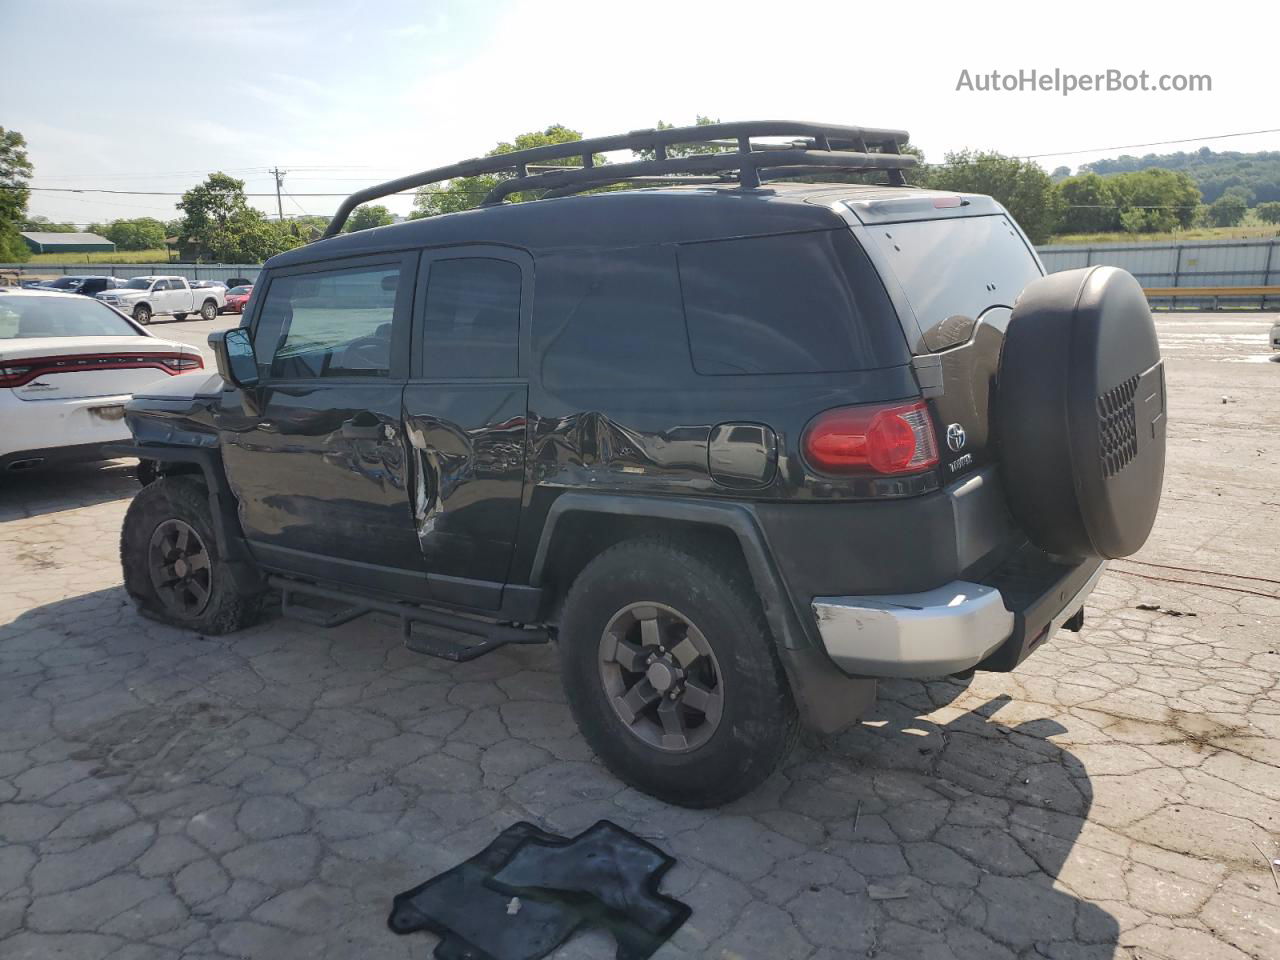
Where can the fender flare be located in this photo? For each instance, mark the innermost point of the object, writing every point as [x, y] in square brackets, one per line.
[779, 610]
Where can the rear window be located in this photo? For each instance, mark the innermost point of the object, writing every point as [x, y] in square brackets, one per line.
[34, 316]
[796, 303]
[956, 267]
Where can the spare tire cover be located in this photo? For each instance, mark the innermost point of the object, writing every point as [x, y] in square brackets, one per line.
[1080, 413]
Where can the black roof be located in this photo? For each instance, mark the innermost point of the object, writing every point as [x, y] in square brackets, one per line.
[623, 218]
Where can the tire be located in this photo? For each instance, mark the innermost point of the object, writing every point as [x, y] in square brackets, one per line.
[179, 317]
[142, 314]
[755, 726]
[209, 310]
[163, 514]
[1080, 413]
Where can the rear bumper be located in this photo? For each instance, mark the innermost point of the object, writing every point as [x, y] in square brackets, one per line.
[31, 426]
[949, 629]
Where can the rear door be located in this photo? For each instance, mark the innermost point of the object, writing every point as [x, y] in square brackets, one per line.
[465, 407]
[316, 454]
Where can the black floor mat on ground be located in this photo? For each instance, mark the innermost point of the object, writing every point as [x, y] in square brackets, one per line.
[605, 877]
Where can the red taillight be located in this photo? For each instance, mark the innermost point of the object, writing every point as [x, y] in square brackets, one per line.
[17, 373]
[872, 439]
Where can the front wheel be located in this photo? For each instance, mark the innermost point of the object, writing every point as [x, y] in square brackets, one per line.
[209, 311]
[172, 567]
[142, 313]
[671, 674]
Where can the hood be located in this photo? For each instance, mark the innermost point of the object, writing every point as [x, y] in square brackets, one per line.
[122, 292]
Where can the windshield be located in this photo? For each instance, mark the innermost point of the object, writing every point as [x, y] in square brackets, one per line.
[239, 291]
[957, 267]
[138, 283]
[64, 283]
[22, 317]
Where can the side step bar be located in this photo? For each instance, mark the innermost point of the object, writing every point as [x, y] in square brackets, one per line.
[451, 636]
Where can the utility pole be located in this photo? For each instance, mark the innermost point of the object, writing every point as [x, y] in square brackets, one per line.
[279, 175]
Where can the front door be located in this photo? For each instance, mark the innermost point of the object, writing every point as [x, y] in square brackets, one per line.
[465, 409]
[316, 455]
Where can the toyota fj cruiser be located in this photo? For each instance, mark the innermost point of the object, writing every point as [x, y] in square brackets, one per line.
[740, 444]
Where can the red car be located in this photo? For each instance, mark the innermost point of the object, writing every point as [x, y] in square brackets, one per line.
[237, 298]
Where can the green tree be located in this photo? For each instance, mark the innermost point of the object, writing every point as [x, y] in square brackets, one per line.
[1021, 186]
[1268, 212]
[45, 225]
[219, 225]
[369, 215]
[1227, 211]
[1155, 201]
[1088, 204]
[463, 193]
[15, 175]
[143, 233]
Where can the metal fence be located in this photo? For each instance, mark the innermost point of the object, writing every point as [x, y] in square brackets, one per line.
[1230, 263]
[192, 271]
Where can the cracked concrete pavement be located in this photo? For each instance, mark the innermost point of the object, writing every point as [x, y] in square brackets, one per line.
[167, 795]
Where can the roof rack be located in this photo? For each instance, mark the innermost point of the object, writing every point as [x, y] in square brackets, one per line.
[813, 148]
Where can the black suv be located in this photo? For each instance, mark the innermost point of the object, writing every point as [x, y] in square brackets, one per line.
[740, 445]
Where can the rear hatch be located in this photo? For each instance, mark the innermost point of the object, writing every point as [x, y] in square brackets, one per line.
[65, 368]
[959, 263]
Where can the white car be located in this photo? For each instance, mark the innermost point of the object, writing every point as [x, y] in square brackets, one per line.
[1275, 336]
[145, 297]
[68, 365]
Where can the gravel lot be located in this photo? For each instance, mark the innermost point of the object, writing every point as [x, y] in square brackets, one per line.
[265, 794]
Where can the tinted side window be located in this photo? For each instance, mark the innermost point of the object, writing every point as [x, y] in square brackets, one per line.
[609, 319]
[471, 324]
[798, 303]
[331, 324]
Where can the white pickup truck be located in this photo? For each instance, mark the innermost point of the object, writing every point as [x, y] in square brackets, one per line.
[145, 297]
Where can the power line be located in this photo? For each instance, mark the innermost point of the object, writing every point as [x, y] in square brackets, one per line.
[1135, 146]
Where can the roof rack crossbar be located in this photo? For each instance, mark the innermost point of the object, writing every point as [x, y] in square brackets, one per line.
[852, 145]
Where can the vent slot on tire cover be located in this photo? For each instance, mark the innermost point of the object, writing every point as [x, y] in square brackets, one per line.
[1118, 427]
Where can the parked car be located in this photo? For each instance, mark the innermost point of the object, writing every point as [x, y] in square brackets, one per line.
[1275, 336]
[86, 286]
[239, 282]
[146, 297]
[237, 297]
[68, 364]
[742, 449]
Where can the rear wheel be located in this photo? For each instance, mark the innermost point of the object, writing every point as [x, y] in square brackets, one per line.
[179, 316]
[172, 567]
[671, 674]
[142, 313]
[209, 310]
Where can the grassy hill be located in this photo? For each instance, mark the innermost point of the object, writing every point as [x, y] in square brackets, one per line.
[1213, 172]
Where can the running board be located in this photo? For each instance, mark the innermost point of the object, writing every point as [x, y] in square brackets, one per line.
[450, 636]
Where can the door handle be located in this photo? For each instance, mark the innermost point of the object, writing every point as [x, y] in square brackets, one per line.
[367, 431]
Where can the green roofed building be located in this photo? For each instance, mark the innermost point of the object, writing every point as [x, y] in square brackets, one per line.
[67, 242]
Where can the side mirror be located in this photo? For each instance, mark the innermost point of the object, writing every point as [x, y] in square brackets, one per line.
[237, 363]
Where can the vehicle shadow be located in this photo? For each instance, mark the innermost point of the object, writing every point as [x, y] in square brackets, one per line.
[987, 813]
[33, 493]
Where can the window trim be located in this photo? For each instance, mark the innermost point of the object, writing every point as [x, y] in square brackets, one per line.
[477, 251]
[404, 260]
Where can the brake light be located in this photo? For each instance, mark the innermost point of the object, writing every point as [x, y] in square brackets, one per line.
[20, 372]
[872, 439]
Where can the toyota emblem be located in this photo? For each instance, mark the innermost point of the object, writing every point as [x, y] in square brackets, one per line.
[955, 437]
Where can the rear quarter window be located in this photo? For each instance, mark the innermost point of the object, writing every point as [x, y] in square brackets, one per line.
[793, 303]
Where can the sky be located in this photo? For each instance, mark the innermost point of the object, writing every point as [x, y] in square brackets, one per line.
[155, 94]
